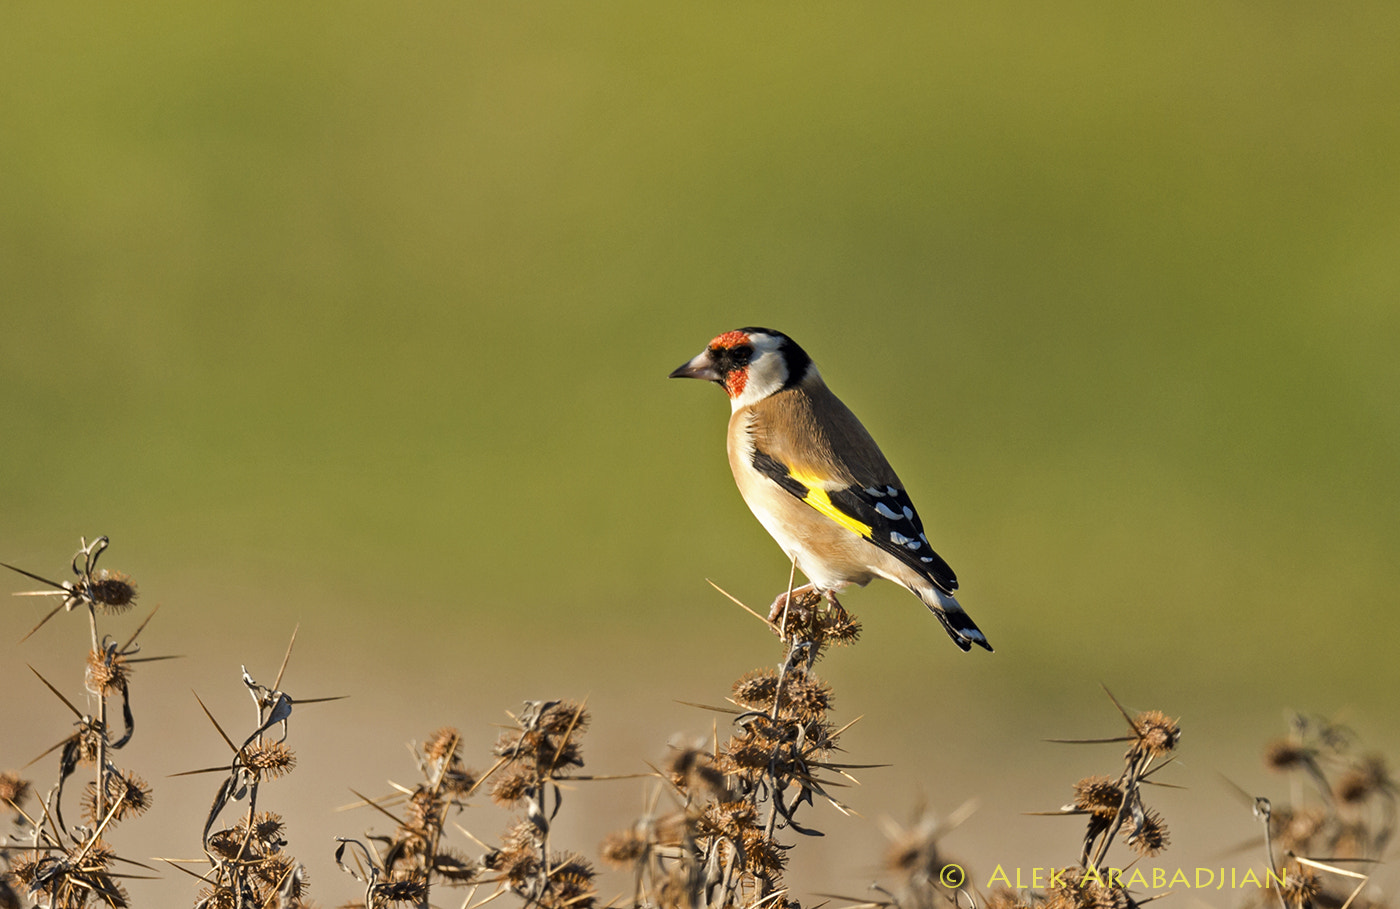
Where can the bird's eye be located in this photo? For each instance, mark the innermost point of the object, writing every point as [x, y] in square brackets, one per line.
[729, 358]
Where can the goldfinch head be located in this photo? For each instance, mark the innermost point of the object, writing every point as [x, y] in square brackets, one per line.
[749, 364]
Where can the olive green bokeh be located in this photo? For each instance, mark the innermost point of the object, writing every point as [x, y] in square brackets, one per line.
[370, 308]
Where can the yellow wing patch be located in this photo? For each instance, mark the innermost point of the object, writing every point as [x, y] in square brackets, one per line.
[818, 499]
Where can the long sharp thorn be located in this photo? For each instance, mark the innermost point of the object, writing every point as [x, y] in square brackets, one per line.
[1120, 708]
[710, 707]
[471, 836]
[848, 726]
[377, 807]
[42, 622]
[48, 752]
[30, 574]
[390, 799]
[231, 745]
[1244, 797]
[1323, 866]
[500, 762]
[175, 863]
[76, 712]
[498, 893]
[736, 601]
[223, 769]
[131, 640]
[97, 834]
[22, 813]
[277, 685]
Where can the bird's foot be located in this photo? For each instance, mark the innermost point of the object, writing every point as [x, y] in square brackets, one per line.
[786, 601]
[796, 607]
[814, 616]
[836, 607]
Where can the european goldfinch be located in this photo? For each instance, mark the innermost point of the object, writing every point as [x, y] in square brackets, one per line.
[817, 481]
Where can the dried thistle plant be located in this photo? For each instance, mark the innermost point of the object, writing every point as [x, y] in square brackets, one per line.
[15, 791]
[723, 842]
[543, 748]
[98, 590]
[249, 864]
[71, 878]
[925, 876]
[722, 818]
[1114, 808]
[1340, 821]
[73, 866]
[401, 869]
[533, 756]
[1114, 805]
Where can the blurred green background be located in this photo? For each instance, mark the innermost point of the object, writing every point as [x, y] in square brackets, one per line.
[359, 316]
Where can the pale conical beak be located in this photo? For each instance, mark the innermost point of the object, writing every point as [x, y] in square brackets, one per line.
[700, 367]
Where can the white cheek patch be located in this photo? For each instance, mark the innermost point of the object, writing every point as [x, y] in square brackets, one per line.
[763, 380]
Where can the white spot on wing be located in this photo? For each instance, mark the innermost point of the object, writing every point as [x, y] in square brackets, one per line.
[887, 511]
[908, 513]
[872, 491]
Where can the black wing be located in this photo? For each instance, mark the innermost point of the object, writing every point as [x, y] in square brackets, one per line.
[881, 514]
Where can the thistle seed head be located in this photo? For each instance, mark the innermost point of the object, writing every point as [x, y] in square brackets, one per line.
[623, 848]
[107, 672]
[268, 758]
[127, 796]
[1101, 796]
[111, 591]
[1157, 733]
[13, 790]
[1150, 838]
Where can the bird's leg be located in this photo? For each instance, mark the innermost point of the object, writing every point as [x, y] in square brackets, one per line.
[835, 604]
[795, 597]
